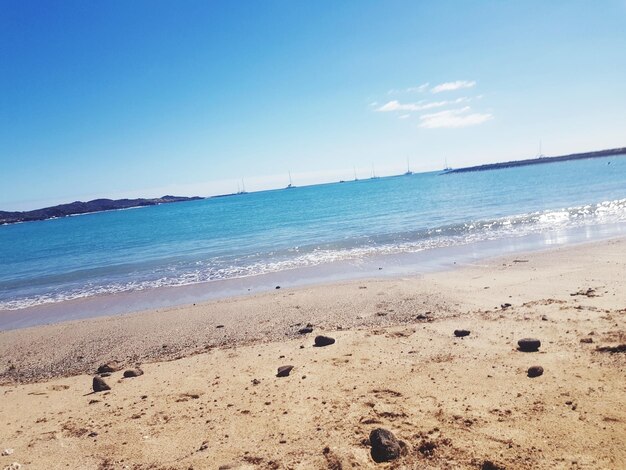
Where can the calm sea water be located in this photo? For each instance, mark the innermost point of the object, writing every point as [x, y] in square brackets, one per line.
[251, 234]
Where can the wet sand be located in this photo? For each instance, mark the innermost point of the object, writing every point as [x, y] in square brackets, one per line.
[210, 397]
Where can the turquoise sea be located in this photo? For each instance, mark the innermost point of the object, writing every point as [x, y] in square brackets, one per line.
[250, 235]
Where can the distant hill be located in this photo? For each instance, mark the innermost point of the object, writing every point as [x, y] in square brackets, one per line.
[79, 207]
[538, 161]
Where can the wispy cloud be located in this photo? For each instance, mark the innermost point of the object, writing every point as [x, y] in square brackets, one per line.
[453, 118]
[404, 116]
[395, 105]
[451, 86]
[419, 89]
[414, 89]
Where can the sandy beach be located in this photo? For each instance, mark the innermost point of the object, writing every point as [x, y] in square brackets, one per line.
[210, 398]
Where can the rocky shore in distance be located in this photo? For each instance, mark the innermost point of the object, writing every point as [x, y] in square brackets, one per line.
[540, 160]
[79, 207]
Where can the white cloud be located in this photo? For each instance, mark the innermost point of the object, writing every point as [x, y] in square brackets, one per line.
[419, 89]
[453, 118]
[404, 116]
[395, 105]
[451, 86]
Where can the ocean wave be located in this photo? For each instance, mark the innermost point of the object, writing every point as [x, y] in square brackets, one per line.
[214, 269]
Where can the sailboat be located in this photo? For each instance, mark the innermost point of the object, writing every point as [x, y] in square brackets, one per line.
[241, 190]
[290, 185]
[446, 168]
[374, 177]
[540, 154]
[408, 169]
[355, 178]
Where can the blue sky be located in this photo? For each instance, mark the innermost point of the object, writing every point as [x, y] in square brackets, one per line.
[143, 98]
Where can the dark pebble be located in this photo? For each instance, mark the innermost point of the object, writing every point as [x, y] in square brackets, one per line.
[505, 305]
[99, 385]
[109, 367]
[283, 371]
[133, 373]
[305, 330]
[324, 341]
[461, 333]
[277, 287]
[219, 326]
[586, 340]
[385, 446]
[105, 374]
[535, 371]
[489, 465]
[529, 344]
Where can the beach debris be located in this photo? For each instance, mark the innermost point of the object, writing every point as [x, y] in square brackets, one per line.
[219, 326]
[535, 371]
[321, 341]
[461, 333]
[612, 349]
[589, 292]
[529, 344]
[133, 373]
[283, 371]
[109, 367]
[92, 434]
[586, 340]
[505, 305]
[7, 452]
[306, 330]
[385, 445]
[99, 385]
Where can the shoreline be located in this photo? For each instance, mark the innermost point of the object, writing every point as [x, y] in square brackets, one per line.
[424, 262]
[215, 323]
[210, 398]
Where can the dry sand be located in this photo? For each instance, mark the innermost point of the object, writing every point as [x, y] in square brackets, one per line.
[210, 396]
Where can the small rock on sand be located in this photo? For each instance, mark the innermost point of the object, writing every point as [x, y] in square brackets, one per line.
[586, 340]
[529, 344]
[99, 385]
[307, 329]
[461, 333]
[489, 465]
[109, 367]
[133, 373]
[321, 341]
[13, 466]
[283, 371]
[6, 452]
[385, 445]
[535, 371]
